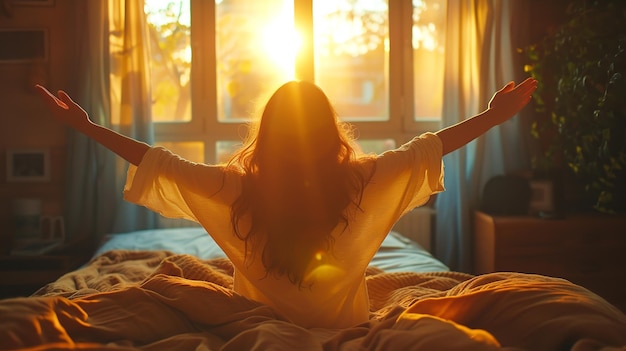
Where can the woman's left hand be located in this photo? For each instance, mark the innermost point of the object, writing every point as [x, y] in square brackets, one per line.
[64, 109]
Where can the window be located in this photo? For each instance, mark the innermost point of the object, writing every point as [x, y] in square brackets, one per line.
[169, 24]
[428, 43]
[351, 45]
[256, 44]
[215, 64]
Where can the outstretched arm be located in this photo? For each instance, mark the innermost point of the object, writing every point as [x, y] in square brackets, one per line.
[504, 104]
[66, 111]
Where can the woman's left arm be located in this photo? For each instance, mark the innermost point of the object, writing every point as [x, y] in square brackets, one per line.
[504, 104]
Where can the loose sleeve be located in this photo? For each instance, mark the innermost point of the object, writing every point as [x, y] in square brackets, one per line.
[410, 174]
[403, 179]
[422, 157]
[178, 188]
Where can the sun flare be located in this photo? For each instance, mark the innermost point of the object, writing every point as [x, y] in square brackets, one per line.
[281, 43]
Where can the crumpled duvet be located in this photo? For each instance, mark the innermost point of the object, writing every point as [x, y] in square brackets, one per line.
[156, 300]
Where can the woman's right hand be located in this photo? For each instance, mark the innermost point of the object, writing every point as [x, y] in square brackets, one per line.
[64, 109]
[509, 100]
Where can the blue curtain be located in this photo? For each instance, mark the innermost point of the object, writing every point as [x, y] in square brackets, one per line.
[481, 57]
[95, 176]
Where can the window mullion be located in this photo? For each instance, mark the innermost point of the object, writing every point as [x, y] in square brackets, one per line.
[399, 72]
[303, 19]
[204, 62]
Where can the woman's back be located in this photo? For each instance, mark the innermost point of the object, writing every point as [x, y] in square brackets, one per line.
[301, 180]
[332, 292]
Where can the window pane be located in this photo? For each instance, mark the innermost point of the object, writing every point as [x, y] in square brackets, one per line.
[256, 45]
[169, 23]
[224, 149]
[376, 146]
[190, 150]
[351, 56]
[429, 17]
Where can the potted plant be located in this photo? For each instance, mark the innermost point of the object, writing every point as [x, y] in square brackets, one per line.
[581, 100]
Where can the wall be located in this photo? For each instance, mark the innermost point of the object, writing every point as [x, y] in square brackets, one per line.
[24, 121]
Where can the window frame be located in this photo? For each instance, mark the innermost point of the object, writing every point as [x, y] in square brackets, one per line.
[205, 127]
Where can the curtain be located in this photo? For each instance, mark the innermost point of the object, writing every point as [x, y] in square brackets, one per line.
[131, 98]
[481, 57]
[112, 86]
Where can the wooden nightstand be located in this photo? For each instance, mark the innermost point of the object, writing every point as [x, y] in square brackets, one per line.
[587, 249]
[23, 275]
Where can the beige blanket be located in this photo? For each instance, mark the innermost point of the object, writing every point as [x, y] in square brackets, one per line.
[156, 300]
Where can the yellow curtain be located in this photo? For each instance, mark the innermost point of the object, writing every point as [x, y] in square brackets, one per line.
[130, 95]
[130, 69]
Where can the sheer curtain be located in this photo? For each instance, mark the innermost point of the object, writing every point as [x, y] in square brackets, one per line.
[112, 86]
[480, 58]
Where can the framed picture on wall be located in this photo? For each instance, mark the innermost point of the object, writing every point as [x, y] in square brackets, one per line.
[28, 165]
[23, 45]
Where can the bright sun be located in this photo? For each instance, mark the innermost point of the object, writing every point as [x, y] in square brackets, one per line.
[281, 43]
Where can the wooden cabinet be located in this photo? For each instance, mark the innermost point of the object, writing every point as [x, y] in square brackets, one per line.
[23, 275]
[586, 249]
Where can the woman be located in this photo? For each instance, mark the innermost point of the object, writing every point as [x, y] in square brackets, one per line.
[298, 213]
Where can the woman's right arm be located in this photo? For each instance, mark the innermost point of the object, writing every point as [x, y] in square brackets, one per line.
[66, 111]
[504, 104]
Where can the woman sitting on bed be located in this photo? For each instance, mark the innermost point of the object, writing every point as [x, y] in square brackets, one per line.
[296, 210]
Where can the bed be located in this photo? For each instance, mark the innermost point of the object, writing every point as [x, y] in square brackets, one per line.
[171, 289]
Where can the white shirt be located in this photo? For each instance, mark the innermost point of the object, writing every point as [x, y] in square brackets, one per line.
[404, 179]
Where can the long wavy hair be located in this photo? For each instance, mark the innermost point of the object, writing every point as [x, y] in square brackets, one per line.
[299, 178]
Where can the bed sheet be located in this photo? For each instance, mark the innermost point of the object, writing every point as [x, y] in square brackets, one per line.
[157, 300]
[396, 254]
